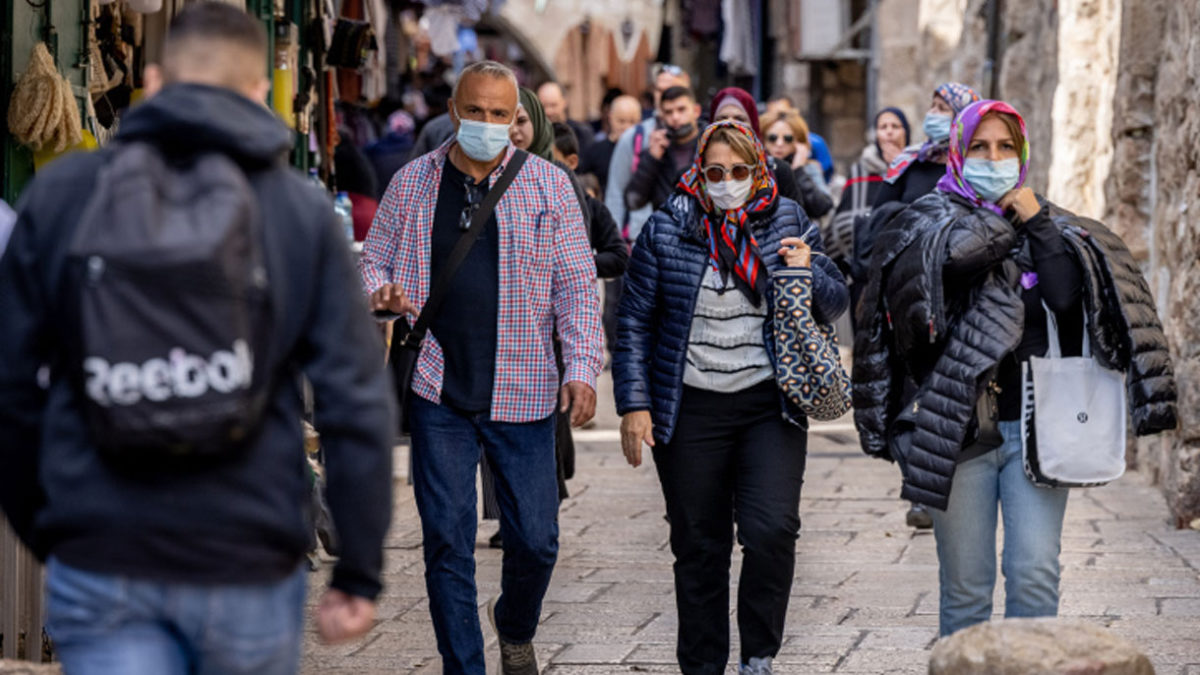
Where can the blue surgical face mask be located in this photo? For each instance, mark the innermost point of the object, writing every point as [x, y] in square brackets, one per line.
[937, 127]
[992, 180]
[480, 140]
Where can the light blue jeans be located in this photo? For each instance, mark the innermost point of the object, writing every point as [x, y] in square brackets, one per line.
[966, 539]
[103, 624]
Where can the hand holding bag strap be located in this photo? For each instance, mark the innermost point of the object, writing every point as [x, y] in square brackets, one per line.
[441, 285]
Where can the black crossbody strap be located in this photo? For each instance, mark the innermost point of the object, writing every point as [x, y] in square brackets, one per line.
[441, 285]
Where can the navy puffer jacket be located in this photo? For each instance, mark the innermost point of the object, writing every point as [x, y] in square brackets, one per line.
[654, 318]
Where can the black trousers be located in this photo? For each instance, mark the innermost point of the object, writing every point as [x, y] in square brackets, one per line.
[733, 460]
[612, 298]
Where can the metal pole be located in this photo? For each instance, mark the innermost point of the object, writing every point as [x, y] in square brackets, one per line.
[873, 64]
[991, 74]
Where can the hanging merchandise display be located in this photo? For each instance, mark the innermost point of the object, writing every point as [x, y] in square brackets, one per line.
[739, 48]
[145, 6]
[284, 74]
[352, 42]
[442, 25]
[112, 67]
[43, 111]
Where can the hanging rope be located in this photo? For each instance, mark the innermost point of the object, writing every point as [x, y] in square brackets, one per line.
[43, 112]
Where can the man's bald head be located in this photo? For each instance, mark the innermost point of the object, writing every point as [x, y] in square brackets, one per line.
[215, 44]
[625, 112]
[669, 77]
[553, 101]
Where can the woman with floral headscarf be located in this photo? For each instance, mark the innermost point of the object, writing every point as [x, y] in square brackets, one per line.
[913, 173]
[957, 300]
[693, 372]
[917, 169]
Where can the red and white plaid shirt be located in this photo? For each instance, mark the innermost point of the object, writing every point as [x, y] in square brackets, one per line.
[546, 271]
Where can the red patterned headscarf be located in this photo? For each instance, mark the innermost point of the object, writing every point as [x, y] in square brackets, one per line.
[732, 247]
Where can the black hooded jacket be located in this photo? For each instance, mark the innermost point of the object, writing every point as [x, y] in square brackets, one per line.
[245, 519]
[927, 346]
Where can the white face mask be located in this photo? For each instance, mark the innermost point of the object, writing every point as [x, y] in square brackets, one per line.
[481, 141]
[730, 194]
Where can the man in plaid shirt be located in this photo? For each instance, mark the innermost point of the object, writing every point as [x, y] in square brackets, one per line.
[486, 378]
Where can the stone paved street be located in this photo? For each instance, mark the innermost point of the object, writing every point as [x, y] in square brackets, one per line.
[865, 592]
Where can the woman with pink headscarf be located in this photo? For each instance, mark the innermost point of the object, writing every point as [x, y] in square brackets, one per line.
[1003, 263]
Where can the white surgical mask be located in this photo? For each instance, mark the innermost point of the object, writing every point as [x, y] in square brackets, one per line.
[730, 194]
[480, 140]
[992, 180]
[937, 127]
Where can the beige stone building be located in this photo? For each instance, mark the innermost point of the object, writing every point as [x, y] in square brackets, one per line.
[1108, 91]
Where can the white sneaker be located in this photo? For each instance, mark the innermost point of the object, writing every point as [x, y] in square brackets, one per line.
[757, 666]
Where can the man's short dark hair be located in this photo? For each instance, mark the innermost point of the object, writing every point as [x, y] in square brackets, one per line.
[677, 93]
[565, 140]
[210, 20]
[611, 95]
[217, 39]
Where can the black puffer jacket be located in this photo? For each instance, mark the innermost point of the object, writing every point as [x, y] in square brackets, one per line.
[901, 316]
[1126, 332]
[948, 348]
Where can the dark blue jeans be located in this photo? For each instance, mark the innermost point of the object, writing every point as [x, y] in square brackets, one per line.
[446, 447]
[104, 624]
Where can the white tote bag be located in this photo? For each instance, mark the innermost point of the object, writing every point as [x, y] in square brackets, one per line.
[1073, 417]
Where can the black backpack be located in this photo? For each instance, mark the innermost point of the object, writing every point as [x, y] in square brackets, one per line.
[174, 313]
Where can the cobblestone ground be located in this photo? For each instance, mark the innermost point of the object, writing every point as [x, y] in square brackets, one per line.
[865, 593]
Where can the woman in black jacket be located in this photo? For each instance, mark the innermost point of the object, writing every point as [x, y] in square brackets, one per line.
[789, 144]
[913, 174]
[917, 170]
[694, 378]
[890, 134]
[1002, 261]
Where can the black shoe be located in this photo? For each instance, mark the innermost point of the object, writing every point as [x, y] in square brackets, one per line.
[919, 518]
[495, 541]
[514, 659]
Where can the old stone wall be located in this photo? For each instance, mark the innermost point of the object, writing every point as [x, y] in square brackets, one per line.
[1081, 142]
[1173, 235]
[924, 43]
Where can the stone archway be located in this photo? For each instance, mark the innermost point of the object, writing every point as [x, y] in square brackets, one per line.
[540, 69]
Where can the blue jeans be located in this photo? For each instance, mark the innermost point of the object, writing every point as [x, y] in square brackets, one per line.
[446, 447]
[966, 539]
[104, 624]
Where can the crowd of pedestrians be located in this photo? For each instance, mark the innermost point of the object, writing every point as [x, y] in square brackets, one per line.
[152, 380]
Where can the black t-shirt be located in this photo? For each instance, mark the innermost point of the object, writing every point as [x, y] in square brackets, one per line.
[465, 326]
[1058, 280]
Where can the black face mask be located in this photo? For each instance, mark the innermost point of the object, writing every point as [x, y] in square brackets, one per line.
[676, 133]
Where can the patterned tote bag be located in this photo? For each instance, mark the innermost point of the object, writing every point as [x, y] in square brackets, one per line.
[808, 366]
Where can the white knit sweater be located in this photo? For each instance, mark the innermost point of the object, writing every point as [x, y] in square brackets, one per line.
[725, 349]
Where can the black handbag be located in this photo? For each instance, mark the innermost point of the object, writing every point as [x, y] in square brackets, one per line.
[407, 339]
[352, 40]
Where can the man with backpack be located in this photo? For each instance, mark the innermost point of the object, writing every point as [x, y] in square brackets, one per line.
[162, 298]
